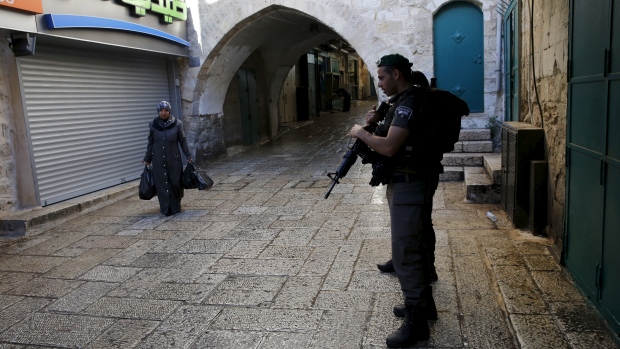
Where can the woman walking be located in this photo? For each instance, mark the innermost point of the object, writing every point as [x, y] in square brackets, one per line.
[165, 135]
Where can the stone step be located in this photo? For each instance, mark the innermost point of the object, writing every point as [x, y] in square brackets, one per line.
[493, 167]
[463, 159]
[475, 134]
[452, 174]
[474, 120]
[473, 147]
[479, 186]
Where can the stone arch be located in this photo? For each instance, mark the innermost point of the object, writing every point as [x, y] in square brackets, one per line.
[436, 8]
[223, 59]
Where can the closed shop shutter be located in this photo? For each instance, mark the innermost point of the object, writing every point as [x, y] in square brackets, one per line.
[87, 114]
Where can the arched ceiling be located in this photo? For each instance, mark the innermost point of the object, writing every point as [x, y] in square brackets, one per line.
[281, 34]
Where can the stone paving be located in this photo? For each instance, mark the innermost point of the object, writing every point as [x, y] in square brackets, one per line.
[264, 261]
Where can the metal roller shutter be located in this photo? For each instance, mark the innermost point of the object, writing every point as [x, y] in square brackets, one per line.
[88, 114]
[312, 88]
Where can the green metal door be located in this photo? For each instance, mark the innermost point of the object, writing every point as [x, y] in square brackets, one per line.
[458, 39]
[511, 61]
[248, 106]
[592, 228]
[610, 281]
[585, 220]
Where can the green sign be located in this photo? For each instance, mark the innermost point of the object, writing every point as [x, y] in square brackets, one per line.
[168, 9]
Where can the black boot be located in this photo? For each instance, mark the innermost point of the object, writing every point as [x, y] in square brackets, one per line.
[430, 310]
[387, 267]
[433, 275]
[414, 329]
[399, 310]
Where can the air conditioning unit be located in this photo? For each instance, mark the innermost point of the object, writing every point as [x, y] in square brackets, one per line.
[521, 143]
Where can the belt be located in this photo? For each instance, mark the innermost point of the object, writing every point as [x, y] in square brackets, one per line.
[409, 177]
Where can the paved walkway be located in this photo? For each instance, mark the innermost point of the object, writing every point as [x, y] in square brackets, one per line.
[263, 261]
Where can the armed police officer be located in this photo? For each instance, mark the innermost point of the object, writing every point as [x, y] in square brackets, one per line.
[409, 192]
[417, 78]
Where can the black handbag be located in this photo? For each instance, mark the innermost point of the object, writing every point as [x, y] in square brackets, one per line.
[146, 190]
[192, 179]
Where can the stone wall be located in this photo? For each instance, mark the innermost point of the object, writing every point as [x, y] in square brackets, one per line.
[550, 70]
[204, 137]
[8, 182]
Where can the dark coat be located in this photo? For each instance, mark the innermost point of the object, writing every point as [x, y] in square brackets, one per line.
[346, 104]
[163, 153]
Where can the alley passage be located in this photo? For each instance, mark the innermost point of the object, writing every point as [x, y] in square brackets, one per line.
[263, 261]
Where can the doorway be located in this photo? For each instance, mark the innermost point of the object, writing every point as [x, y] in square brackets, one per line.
[458, 39]
[248, 106]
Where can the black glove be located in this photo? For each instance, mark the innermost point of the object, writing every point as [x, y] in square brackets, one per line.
[374, 181]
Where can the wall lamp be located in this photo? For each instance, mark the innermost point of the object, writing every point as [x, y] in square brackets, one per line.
[22, 44]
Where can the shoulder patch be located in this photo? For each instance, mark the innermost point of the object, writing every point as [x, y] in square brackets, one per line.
[403, 112]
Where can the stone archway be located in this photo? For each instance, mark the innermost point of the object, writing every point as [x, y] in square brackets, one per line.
[281, 35]
[282, 32]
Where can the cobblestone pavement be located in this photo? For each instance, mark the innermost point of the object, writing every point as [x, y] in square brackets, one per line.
[263, 261]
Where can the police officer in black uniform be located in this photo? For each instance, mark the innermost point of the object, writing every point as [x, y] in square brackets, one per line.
[417, 78]
[409, 193]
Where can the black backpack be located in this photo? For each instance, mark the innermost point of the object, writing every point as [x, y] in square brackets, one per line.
[442, 112]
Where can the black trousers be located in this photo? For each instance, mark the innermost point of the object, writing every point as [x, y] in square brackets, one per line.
[409, 201]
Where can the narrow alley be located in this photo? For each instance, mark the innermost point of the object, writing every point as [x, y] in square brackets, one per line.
[262, 260]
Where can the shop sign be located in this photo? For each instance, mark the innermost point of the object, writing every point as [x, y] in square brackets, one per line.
[76, 21]
[34, 6]
[168, 9]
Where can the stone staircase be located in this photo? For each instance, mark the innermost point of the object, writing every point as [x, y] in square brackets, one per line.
[473, 162]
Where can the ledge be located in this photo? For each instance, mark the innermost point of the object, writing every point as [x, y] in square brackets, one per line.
[17, 223]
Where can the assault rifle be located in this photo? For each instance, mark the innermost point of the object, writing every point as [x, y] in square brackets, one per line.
[358, 148]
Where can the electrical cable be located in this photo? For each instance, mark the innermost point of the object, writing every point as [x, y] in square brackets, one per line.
[542, 123]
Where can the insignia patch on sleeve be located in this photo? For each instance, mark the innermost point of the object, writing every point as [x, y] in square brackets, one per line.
[403, 112]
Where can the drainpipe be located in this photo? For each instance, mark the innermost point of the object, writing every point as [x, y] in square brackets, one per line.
[498, 57]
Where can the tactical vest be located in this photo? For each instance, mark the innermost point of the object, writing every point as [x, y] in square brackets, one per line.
[416, 155]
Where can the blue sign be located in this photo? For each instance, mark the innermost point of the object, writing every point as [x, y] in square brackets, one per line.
[76, 21]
